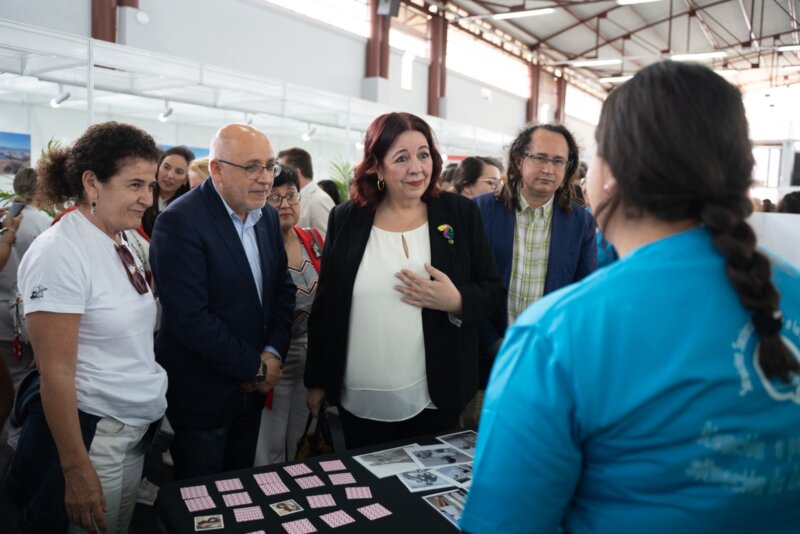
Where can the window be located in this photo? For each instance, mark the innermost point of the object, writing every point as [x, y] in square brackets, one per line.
[483, 62]
[349, 15]
[582, 105]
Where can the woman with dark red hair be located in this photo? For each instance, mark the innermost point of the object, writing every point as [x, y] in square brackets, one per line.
[406, 279]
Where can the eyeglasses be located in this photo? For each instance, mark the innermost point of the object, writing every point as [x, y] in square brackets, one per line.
[275, 199]
[494, 183]
[255, 171]
[541, 160]
[134, 274]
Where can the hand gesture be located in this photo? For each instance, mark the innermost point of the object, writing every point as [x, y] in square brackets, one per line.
[83, 498]
[437, 293]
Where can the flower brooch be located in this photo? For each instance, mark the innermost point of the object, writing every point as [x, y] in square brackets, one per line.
[447, 232]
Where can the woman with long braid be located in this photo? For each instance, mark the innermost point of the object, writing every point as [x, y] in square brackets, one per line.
[662, 393]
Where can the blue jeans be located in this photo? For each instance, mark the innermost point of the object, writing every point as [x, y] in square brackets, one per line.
[199, 452]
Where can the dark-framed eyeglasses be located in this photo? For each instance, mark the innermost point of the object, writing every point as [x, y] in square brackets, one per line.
[275, 199]
[254, 171]
[134, 274]
[540, 160]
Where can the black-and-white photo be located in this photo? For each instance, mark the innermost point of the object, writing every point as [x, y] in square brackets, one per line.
[463, 441]
[430, 456]
[386, 463]
[423, 480]
[460, 474]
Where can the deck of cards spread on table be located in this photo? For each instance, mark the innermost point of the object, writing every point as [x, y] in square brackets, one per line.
[418, 468]
[245, 505]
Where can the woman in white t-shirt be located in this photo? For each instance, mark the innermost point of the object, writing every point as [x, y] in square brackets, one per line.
[90, 315]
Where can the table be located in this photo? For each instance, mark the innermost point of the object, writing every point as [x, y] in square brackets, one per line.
[409, 513]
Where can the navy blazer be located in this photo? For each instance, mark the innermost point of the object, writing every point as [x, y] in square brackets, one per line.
[451, 352]
[213, 325]
[572, 256]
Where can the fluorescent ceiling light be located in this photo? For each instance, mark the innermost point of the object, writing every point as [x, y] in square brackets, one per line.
[523, 14]
[164, 115]
[595, 62]
[615, 79]
[631, 2]
[699, 57]
[788, 48]
[307, 136]
[60, 99]
[791, 68]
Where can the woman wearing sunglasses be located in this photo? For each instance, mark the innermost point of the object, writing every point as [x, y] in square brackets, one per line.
[90, 315]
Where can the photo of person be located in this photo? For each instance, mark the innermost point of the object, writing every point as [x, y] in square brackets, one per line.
[209, 522]
[450, 504]
[387, 463]
[460, 474]
[423, 480]
[430, 456]
[287, 507]
[463, 441]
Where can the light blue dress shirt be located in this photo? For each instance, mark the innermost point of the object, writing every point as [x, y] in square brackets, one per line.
[632, 402]
[246, 230]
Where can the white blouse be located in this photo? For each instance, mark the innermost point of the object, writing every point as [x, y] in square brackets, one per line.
[384, 378]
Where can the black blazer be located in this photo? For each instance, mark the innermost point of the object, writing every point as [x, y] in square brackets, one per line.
[213, 325]
[451, 352]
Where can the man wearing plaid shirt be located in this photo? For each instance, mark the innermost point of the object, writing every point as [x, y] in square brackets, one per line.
[541, 238]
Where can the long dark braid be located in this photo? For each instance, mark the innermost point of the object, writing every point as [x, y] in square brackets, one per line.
[676, 139]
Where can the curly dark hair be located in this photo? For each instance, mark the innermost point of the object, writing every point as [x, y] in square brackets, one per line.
[674, 169]
[102, 149]
[381, 134]
[564, 194]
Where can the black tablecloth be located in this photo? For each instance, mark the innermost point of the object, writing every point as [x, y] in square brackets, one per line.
[409, 512]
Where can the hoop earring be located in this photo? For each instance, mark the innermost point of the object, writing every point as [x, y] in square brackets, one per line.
[381, 185]
[94, 207]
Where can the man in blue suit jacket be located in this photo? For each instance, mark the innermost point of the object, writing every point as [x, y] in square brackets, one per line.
[541, 239]
[221, 271]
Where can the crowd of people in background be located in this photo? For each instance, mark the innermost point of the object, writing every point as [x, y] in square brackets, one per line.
[552, 305]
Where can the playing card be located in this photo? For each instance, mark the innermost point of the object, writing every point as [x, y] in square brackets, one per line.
[309, 482]
[301, 526]
[321, 501]
[258, 532]
[297, 470]
[231, 484]
[374, 511]
[200, 503]
[237, 499]
[358, 492]
[193, 492]
[250, 513]
[340, 479]
[267, 478]
[332, 465]
[274, 489]
[337, 518]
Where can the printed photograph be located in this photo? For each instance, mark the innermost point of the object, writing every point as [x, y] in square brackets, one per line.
[463, 441]
[286, 507]
[423, 480]
[430, 456]
[387, 463]
[209, 522]
[15, 152]
[450, 504]
[460, 474]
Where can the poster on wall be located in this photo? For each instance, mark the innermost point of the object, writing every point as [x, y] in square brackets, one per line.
[15, 152]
